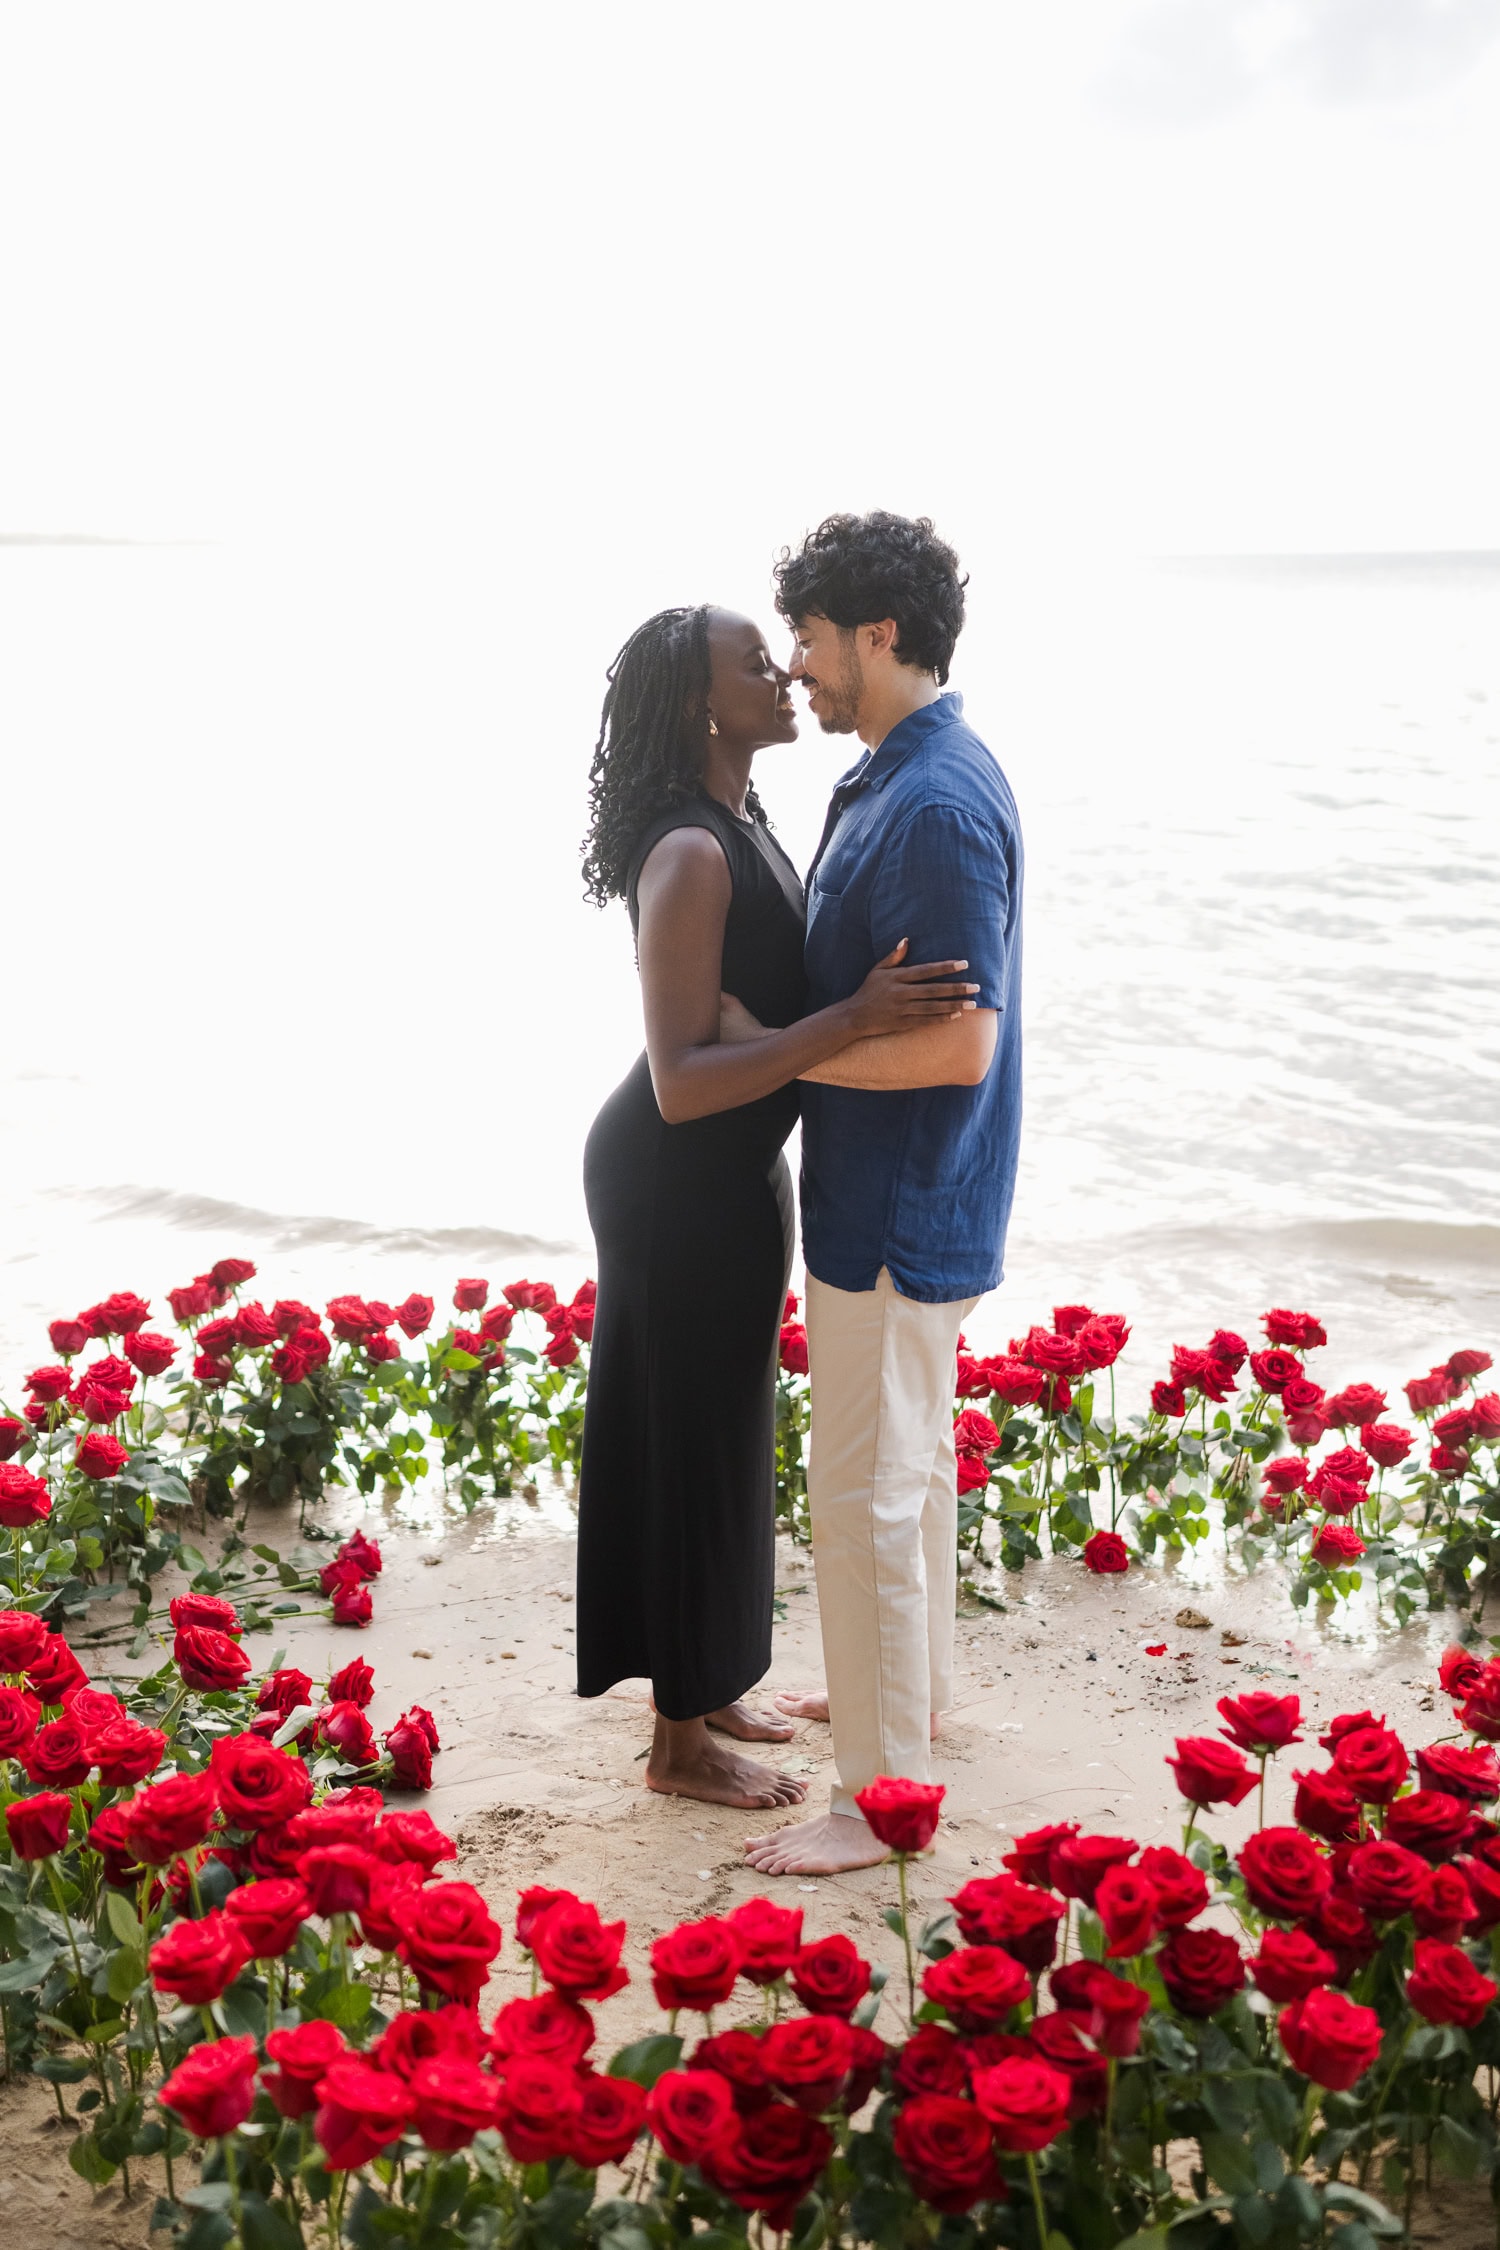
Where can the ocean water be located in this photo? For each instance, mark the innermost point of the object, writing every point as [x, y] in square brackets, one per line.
[296, 963]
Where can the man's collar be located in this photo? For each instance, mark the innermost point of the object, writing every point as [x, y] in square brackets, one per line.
[930, 718]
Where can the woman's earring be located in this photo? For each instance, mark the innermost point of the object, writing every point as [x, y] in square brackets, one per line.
[711, 727]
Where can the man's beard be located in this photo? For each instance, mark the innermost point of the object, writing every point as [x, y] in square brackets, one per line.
[842, 700]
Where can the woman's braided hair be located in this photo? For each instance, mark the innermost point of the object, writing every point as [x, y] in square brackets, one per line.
[653, 732]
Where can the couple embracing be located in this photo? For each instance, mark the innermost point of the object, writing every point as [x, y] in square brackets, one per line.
[882, 1004]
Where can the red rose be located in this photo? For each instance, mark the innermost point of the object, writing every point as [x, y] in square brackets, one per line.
[1064, 2041]
[1288, 1474]
[689, 2112]
[389, 1882]
[695, 1965]
[268, 1915]
[360, 2112]
[1385, 1879]
[414, 1314]
[229, 1273]
[151, 1353]
[1289, 1964]
[1078, 1864]
[211, 1372]
[1486, 1413]
[1480, 1711]
[292, 1362]
[977, 1986]
[49, 1384]
[974, 1432]
[304, 2054]
[53, 1674]
[829, 1977]
[1298, 1329]
[532, 1904]
[410, 1752]
[550, 2025]
[204, 1609]
[1430, 1822]
[1464, 1364]
[198, 1960]
[807, 2059]
[448, 1938]
[1445, 1461]
[498, 1323]
[1483, 1885]
[1330, 2039]
[1273, 1370]
[770, 2160]
[57, 1755]
[413, 1837]
[284, 1692]
[1445, 1987]
[902, 1815]
[944, 2149]
[1054, 1355]
[1013, 1382]
[1372, 1762]
[1454, 1428]
[739, 2057]
[1181, 1891]
[338, 1877]
[1030, 1856]
[769, 1938]
[23, 1637]
[353, 1683]
[1459, 1673]
[38, 1826]
[973, 1472]
[349, 1318]
[1424, 1392]
[538, 2103]
[1209, 1772]
[453, 2100]
[470, 1296]
[170, 1817]
[106, 1834]
[1341, 1927]
[1201, 1969]
[530, 1296]
[380, 1349]
[1386, 1442]
[1169, 1399]
[1473, 1774]
[1002, 1910]
[1445, 1906]
[1114, 2008]
[352, 1606]
[1106, 1553]
[254, 1327]
[258, 1787]
[1356, 1404]
[363, 1554]
[931, 2062]
[1102, 1339]
[1261, 1723]
[126, 1753]
[19, 1714]
[212, 2089]
[191, 1302]
[1328, 1806]
[99, 1455]
[562, 1351]
[24, 1498]
[609, 2120]
[68, 1337]
[207, 1659]
[1125, 1903]
[344, 1727]
[1285, 1875]
[12, 1436]
[1026, 2103]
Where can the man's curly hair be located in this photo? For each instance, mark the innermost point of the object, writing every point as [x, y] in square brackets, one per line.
[855, 570]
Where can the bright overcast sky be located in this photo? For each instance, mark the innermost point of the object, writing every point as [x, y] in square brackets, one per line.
[1159, 274]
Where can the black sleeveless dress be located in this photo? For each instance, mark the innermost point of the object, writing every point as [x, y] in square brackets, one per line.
[693, 1225]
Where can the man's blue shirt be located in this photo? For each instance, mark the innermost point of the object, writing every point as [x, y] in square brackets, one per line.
[922, 842]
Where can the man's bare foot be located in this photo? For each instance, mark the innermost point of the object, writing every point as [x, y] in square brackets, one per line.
[828, 1844]
[814, 1705]
[685, 1762]
[749, 1726]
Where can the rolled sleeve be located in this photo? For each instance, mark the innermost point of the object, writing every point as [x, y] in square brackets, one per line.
[944, 884]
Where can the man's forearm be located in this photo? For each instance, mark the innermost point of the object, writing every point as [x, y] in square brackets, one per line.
[957, 1053]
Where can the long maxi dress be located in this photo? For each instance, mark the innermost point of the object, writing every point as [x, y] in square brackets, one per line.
[693, 1225]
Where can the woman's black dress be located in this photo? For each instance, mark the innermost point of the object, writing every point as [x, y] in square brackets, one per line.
[693, 1227]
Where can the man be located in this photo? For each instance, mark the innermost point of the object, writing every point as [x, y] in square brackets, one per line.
[909, 1144]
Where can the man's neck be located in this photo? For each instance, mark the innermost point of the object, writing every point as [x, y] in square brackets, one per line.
[886, 703]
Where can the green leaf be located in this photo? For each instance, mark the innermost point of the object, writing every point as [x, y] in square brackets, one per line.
[1338, 2196]
[30, 1971]
[61, 2070]
[1254, 2218]
[263, 2227]
[1230, 2166]
[126, 1970]
[100, 2034]
[123, 1919]
[1455, 2148]
[645, 2059]
[90, 2162]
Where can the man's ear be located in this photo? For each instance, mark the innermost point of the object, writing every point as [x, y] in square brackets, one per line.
[881, 639]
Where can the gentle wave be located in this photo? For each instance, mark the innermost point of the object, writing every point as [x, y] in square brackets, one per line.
[203, 1214]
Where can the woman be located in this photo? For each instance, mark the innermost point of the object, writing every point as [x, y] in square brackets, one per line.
[690, 1200]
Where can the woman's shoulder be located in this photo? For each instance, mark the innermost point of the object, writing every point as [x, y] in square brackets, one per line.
[701, 813]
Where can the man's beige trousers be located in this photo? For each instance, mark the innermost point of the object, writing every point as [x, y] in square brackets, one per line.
[882, 1488]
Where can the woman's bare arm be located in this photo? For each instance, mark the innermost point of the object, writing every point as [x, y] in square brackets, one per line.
[683, 895]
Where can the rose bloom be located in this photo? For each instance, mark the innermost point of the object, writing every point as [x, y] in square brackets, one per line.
[1126, 1904]
[24, 1498]
[414, 1314]
[1289, 1964]
[1062, 2040]
[268, 1915]
[549, 2024]
[1485, 1415]
[977, 1987]
[973, 1472]
[449, 1939]
[1483, 1885]
[1288, 1474]
[471, 1296]
[1336, 1545]
[349, 1318]
[944, 2149]
[170, 1817]
[689, 2111]
[1469, 1362]
[151, 1353]
[1424, 1392]
[49, 1384]
[1385, 1879]
[1356, 1403]
[209, 1659]
[1168, 1399]
[1430, 1822]
[1445, 1987]
[740, 2058]
[126, 1753]
[351, 1602]
[1386, 1443]
[211, 1372]
[1444, 1461]
[68, 1337]
[538, 2103]
[829, 1977]
[1284, 1873]
[1473, 1774]
[361, 1554]
[1372, 1762]
[258, 1787]
[22, 1639]
[695, 1965]
[931, 2062]
[1201, 1969]
[57, 1755]
[1030, 1856]
[1078, 1864]
[345, 1729]
[1101, 1340]
[212, 2089]
[1444, 1907]
[360, 2112]
[1113, 2006]
[338, 1877]
[1330, 2039]
[1002, 1910]
[1459, 1673]
[974, 1432]
[99, 1455]
[1300, 1330]
[1181, 1891]
[1025, 2104]
[38, 1826]
[304, 2053]
[199, 1960]
[902, 1815]
[453, 2100]
[19, 1716]
[1013, 1382]
[769, 1938]
[411, 1752]
[807, 2058]
[1261, 1723]
[769, 2161]
[12, 1436]
[1106, 1554]
[284, 1692]
[1209, 1772]
[412, 1837]
[56, 1672]
[1273, 1370]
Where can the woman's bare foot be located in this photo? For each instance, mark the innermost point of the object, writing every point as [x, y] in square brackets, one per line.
[828, 1844]
[814, 1705]
[749, 1726]
[685, 1763]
